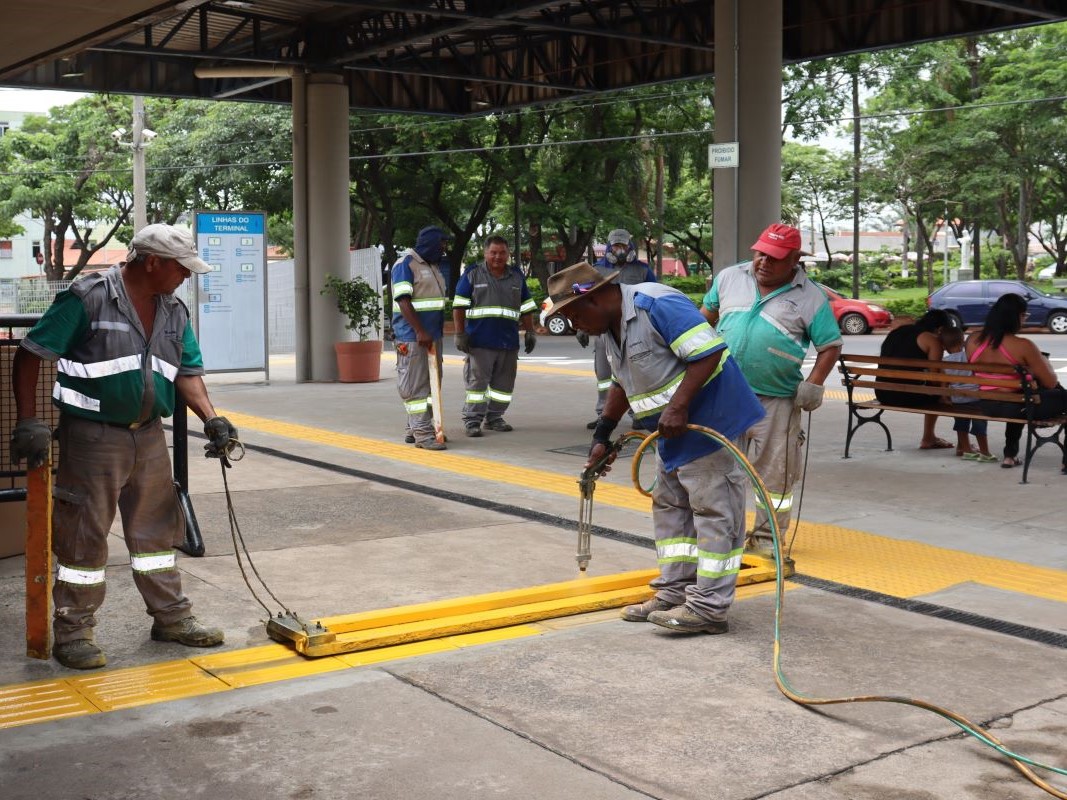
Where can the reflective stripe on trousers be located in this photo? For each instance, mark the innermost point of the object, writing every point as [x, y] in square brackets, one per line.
[103, 468]
[698, 518]
[413, 385]
[489, 375]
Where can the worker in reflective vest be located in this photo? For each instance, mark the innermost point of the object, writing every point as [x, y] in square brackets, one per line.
[123, 346]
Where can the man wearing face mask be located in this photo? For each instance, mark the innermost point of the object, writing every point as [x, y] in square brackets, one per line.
[620, 257]
[769, 312]
[419, 296]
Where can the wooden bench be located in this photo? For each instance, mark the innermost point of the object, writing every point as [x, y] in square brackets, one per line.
[898, 375]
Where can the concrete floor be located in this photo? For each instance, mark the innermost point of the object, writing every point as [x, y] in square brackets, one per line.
[591, 707]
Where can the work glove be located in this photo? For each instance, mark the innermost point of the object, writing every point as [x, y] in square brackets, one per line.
[463, 342]
[809, 396]
[531, 341]
[220, 433]
[583, 338]
[30, 440]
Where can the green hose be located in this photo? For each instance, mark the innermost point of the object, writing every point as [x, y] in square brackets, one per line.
[1020, 762]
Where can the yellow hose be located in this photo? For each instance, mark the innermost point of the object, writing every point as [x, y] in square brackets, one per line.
[1021, 763]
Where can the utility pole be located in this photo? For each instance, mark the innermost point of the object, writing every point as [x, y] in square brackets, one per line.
[140, 212]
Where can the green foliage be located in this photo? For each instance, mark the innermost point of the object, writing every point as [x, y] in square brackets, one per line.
[358, 302]
[905, 308]
[536, 292]
[687, 285]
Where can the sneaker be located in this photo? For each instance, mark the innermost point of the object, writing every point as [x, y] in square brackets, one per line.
[188, 631]
[409, 438]
[431, 444]
[79, 654]
[684, 620]
[474, 430]
[640, 612]
[591, 426]
[498, 425]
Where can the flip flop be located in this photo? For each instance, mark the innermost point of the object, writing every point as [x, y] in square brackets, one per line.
[986, 458]
[938, 444]
[972, 456]
[1010, 462]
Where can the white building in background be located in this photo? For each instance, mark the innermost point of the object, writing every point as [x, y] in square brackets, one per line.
[18, 255]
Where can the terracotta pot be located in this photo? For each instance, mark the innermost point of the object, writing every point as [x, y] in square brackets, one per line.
[359, 362]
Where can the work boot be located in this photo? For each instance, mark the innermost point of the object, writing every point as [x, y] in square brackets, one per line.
[188, 631]
[474, 430]
[640, 612]
[498, 424]
[591, 426]
[431, 444]
[684, 620]
[760, 543]
[409, 438]
[79, 654]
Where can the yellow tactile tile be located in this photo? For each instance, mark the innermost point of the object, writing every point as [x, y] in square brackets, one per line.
[496, 635]
[395, 652]
[138, 686]
[266, 664]
[42, 701]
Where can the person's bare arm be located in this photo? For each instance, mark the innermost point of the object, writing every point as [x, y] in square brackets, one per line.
[711, 315]
[1037, 364]
[824, 362]
[24, 376]
[194, 394]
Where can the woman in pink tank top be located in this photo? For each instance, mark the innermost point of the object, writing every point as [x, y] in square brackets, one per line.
[999, 343]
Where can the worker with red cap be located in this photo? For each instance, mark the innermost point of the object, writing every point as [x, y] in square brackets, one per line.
[769, 312]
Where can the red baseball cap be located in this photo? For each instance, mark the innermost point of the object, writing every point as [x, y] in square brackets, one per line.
[778, 240]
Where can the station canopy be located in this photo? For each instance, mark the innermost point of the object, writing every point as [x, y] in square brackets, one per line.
[450, 57]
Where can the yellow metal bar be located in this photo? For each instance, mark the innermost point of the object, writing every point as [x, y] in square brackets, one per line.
[477, 619]
[486, 602]
[38, 560]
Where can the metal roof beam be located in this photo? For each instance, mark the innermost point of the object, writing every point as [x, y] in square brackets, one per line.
[1019, 8]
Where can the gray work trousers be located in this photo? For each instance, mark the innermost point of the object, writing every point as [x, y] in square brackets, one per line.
[489, 375]
[101, 468]
[602, 368]
[775, 446]
[698, 518]
[413, 384]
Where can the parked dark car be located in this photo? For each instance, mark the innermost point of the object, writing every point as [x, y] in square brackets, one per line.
[856, 316]
[968, 303]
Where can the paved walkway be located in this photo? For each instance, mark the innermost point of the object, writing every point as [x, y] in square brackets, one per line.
[919, 575]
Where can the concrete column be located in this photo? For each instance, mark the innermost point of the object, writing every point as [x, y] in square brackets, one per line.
[301, 313]
[748, 110]
[328, 235]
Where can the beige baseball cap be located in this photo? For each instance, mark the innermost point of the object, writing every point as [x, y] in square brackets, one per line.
[168, 241]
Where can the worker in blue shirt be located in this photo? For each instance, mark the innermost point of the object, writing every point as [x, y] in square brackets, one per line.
[676, 370]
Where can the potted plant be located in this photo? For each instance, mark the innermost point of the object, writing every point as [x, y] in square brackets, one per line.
[359, 361]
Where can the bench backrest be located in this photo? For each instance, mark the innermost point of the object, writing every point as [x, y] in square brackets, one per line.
[901, 375]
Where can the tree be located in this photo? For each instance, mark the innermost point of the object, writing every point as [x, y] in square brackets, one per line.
[67, 170]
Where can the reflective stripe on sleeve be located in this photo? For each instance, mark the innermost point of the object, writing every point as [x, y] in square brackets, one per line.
[678, 549]
[402, 288]
[528, 307]
[80, 575]
[98, 369]
[152, 562]
[719, 565]
[168, 371]
[695, 340]
[459, 301]
[72, 398]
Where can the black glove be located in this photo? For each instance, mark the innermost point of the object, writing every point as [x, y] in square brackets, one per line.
[583, 338]
[463, 342]
[219, 433]
[31, 440]
[531, 341]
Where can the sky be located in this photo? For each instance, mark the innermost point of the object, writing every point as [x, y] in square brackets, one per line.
[35, 99]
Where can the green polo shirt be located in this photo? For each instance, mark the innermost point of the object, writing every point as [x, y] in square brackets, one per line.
[769, 336]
